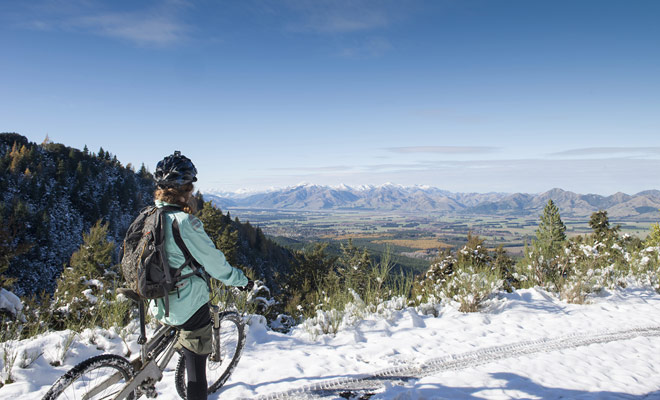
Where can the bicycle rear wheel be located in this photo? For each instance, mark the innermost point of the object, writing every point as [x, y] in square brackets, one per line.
[100, 377]
[231, 341]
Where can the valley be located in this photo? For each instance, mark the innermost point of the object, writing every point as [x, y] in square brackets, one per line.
[414, 238]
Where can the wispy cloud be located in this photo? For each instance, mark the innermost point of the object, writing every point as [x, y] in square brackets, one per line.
[338, 16]
[389, 167]
[159, 25]
[609, 151]
[139, 28]
[444, 149]
[373, 47]
[329, 168]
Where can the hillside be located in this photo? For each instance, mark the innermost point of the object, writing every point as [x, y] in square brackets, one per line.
[604, 350]
[50, 194]
[423, 199]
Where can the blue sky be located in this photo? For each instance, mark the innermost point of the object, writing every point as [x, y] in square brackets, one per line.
[465, 95]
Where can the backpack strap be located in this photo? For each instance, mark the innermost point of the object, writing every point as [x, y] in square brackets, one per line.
[198, 269]
[160, 246]
[190, 261]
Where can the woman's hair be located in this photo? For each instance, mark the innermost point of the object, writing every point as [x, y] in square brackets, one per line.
[180, 195]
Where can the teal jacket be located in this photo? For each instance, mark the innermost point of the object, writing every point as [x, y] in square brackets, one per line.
[193, 291]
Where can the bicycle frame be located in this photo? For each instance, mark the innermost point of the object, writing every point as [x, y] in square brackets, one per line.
[150, 369]
[140, 375]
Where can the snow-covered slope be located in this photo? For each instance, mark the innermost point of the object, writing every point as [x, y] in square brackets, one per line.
[526, 344]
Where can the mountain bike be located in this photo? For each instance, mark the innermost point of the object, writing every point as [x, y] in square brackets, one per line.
[109, 376]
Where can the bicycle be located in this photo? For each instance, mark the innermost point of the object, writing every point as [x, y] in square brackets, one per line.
[110, 376]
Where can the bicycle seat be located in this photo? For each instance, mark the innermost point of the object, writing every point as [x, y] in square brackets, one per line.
[131, 294]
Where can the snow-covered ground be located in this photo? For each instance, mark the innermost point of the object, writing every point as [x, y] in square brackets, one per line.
[557, 351]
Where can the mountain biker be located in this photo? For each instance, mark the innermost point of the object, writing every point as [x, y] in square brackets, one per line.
[189, 304]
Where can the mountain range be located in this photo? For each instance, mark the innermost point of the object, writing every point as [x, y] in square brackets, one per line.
[390, 197]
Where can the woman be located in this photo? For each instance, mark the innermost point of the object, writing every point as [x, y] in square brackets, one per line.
[188, 305]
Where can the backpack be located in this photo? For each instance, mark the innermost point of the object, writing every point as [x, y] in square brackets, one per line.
[144, 261]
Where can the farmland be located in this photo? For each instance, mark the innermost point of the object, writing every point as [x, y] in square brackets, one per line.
[413, 238]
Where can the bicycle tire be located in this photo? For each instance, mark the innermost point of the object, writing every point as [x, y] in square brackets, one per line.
[89, 374]
[232, 333]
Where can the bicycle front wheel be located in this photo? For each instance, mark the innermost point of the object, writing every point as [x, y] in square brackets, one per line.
[100, 377]
[231, 339]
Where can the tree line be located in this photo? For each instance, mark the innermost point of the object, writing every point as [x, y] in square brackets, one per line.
[51, 194]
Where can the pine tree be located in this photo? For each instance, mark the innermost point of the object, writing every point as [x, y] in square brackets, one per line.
[353, 266]
[213, 221]
[600, 223]
[542, 262]
[9, 248]
[654, 236]
[94, 257]
[144, 173]
[83, 284]
[61, 172]
[228, 244]
[311, 270]
[551, 232]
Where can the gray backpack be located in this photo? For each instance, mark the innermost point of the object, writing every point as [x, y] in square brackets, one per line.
[144, 262]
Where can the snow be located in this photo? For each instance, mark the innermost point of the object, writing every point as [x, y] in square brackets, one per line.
[10, 302]
[553, 365]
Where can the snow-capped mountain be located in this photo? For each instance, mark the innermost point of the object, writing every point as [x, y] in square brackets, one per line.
[390, 197]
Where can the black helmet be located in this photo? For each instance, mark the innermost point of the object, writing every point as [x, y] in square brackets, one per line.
[175, 170]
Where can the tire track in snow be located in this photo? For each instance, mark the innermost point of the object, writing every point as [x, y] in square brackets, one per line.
[374, 381]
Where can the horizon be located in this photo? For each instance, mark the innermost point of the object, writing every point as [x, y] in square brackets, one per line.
[246, 192]
[467, 96]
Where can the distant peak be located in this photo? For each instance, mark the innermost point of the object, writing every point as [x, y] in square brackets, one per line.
[341, 186]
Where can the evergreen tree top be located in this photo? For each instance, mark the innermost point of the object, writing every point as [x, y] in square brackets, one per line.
[551, 230]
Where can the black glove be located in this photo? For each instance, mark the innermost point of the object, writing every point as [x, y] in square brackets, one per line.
[248, 287]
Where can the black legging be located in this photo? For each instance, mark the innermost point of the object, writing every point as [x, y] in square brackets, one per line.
[196, 371]
[196, 363]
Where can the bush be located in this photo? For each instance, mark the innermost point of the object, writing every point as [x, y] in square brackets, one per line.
[470, 277]
[470, 286]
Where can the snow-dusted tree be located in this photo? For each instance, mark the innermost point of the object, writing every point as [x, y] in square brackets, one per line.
[600, 223]
[353, 266]
[87, 283]
[654, 236]
[8, 247]
[543, 263]
[468, 278]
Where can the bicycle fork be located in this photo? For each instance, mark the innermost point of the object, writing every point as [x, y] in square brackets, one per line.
[215, 355]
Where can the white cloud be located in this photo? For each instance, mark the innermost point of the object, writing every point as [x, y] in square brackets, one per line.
[609, 151]
[373, 47]
[159, 25]
[444, 149]
[329, 168]
[337, 16]
[141, 28]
